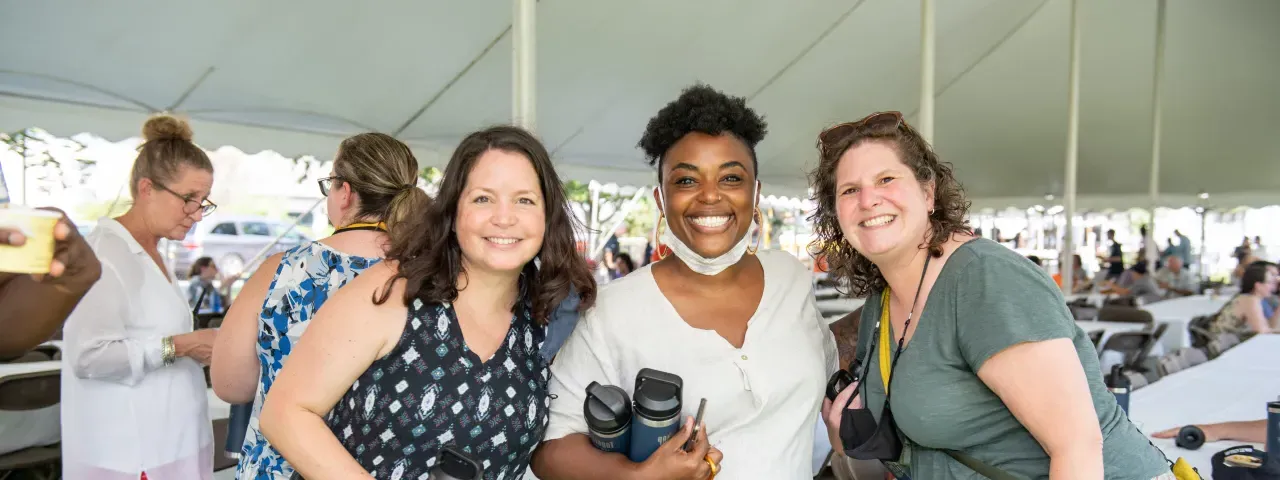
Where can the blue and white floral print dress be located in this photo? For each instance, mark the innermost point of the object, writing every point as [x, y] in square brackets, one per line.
[308, 275]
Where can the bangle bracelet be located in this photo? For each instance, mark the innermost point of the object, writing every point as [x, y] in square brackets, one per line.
[167, 352]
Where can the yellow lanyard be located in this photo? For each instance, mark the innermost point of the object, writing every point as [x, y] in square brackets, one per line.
[379, 226]
[885, 361]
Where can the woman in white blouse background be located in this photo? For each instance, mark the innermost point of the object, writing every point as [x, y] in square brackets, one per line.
[740, 328]
[134, 403]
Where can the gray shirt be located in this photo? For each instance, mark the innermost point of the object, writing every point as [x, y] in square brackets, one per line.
[1179, 281]
[986, 299]
[1146, 289]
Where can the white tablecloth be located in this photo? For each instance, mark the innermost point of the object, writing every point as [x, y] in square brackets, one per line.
[839, 307]
[1178, 313]
[1234, 386]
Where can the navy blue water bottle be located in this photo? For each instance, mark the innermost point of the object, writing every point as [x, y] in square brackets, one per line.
[608, 413]
[1119, 385]
[656, 411]
[1273, 428]
[237, 427]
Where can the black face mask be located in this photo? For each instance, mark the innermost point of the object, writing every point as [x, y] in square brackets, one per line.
[862, 437]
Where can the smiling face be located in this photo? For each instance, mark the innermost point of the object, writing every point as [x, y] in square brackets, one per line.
[882, 208]
[708, 192]
[500, 216]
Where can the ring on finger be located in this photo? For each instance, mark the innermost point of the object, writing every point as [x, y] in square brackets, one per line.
[714, 468]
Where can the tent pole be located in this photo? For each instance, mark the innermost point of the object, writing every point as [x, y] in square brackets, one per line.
[523, 55]
[927, 64]
[1073, 150]
[1156, 84]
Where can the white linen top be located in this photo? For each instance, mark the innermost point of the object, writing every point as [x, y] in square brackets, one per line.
[762, 399]
[123, 411]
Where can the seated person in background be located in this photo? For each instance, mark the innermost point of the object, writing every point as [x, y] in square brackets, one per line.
[1246, 314]
[1142, 286]
[622, 265]
[200, 287]
[1176, 280]
[1253, 431]
[1080, 282]
[33, 307]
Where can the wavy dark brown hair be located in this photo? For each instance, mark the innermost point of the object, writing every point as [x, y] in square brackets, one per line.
[430, 259]
[950, 206]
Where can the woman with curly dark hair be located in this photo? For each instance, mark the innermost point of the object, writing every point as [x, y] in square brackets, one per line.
[440, 345]
[740, 327]
[997, 376]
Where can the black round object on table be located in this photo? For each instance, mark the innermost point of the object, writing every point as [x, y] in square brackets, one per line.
[1190, 437]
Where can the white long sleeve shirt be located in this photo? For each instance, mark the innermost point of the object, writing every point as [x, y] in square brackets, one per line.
[123, 411]
[762, 399]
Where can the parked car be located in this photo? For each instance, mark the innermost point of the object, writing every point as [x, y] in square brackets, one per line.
[232, 241]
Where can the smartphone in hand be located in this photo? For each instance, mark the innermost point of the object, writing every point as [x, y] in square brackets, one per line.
[697, 426]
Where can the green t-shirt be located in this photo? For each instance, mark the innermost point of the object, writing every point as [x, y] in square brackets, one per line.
[988, 298]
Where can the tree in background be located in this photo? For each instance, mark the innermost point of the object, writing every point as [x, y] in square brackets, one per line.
[44, 166]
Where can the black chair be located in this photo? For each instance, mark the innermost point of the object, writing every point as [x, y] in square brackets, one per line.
[1199, 330]
[1117, 313]
[1123, 301]
[25, 392]
[1132, 345]
[1096, 337]
[1081, 309]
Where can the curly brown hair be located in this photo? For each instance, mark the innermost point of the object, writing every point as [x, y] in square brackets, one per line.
[431, 259]
[950, 206]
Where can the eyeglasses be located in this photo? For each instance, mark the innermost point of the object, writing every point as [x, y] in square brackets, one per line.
[326, 183]
[833, 135]
[190, 205]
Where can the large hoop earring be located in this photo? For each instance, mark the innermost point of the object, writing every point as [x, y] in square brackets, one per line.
[759, 218]
[657, 238]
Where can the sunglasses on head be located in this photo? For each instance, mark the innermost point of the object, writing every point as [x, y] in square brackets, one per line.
[835, 134]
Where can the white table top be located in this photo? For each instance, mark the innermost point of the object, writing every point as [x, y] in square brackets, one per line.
[1234, 386]
[1186, 308]
[7, 369]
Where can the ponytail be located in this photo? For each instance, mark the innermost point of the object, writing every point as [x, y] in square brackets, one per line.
[405, 211]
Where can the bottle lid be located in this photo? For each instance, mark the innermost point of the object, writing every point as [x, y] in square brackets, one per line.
[658, 394]
[606, 408]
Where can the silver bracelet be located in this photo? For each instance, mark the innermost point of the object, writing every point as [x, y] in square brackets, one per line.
[167, 351]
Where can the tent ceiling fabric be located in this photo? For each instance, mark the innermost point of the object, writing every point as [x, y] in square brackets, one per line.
[297, 77]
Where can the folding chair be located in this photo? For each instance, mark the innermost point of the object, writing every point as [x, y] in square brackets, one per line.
[25, 392]
[1131, 345]
[1096, 337]
[1116, 313]
[1082, 310]
[1124, 301]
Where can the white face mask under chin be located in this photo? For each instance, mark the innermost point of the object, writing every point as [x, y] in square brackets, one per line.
[704, 265]
[699, 263]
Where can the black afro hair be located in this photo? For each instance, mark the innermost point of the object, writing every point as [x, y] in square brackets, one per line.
[701, 108]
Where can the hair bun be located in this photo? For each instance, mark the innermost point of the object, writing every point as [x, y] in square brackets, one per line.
[166, 127]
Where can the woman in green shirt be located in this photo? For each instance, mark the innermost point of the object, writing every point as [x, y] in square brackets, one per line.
[993, 371]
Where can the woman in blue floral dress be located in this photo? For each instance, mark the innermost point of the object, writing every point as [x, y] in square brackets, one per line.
[374, 183]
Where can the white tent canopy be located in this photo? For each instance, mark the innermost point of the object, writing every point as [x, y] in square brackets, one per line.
[296, 77]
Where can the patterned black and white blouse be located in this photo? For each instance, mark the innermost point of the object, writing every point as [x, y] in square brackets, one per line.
[432, 390]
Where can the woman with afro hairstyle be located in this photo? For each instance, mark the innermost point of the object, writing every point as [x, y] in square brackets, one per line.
[739, 326]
